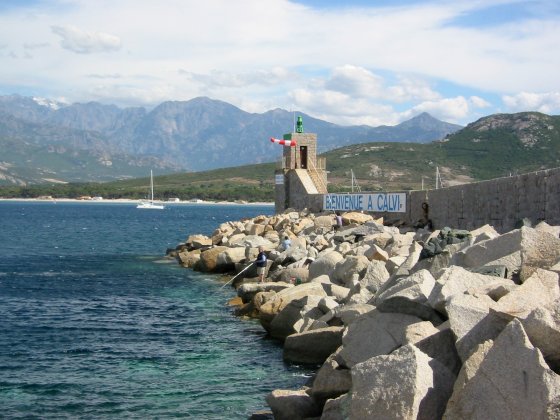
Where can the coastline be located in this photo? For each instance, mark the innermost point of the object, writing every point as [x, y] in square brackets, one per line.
[130, 201]
[420, 306]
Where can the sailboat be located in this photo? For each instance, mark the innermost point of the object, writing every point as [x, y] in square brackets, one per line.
[150, 204]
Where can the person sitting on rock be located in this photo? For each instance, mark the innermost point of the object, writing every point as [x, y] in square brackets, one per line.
[261, 264]
[286, 243]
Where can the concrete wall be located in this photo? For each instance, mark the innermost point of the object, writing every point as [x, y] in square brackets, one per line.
[501, 202]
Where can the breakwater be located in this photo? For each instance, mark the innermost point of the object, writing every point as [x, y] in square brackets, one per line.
[400, 322]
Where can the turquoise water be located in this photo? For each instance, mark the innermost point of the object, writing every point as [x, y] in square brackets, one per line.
[95, 323]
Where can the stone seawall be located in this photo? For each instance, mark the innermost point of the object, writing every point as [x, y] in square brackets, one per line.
[502, 202]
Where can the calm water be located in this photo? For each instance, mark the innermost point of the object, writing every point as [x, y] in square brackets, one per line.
[95, 323]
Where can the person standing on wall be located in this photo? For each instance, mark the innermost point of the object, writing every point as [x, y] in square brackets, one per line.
[261, 264]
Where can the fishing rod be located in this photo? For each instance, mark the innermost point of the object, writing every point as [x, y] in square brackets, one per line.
[237, 275]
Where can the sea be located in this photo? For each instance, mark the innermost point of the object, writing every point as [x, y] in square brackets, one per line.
[96, 323]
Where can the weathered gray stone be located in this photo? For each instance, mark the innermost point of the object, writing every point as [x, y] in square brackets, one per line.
[325, 264]
[409, 295]
[512, 381]
[283, 323]
[539, 249]
[376, 274]
[254, 241]
[247, 291]
[281, 299]
[292, 405]
[381, 239]
[336, 408]
[456, 280]
[313, 346]
[375, 252]
[189, 259]
[406, 384]
[331, 380]
[373, 334]
[358, 295]
[348, 313]
[483, 233]
[472, 322]
[536, 303]
[343, 248]
[394, 263]
[231, 256]
[545, 227]
[413, 256]
[287, 274]
[327, 304]
[326, 222]
[440, 345]
[418, 331]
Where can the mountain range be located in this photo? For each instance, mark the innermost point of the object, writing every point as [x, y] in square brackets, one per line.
[47, 141]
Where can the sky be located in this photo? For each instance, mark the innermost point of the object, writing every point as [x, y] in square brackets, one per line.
[348, 62]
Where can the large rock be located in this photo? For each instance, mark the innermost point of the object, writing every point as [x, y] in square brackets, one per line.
[313, 346]
[331, 380]
[374, 334]
[324, 222]
[456, 280]
[409, 295]
[355, 217]
[536, 303]
[440, 345]
[291, 275]
[376, 275]
[512, 381]
[247, 291]
[472, 322]
[231, 256]
[325, 264]
[189, 259]
[406, 384]
[209, 260]
[198, 241]
[283, 323]
[292, 405]
[346, 269]
[539, 249]
[281, 299]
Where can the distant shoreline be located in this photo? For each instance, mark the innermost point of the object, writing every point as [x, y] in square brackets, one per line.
[129, 201]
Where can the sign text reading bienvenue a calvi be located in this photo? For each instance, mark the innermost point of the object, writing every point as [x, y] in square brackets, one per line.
[381, 202]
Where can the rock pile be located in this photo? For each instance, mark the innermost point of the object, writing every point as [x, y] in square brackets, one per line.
[470, 331]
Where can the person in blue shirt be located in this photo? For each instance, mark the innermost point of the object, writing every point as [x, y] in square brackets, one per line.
[261, 264]
[286, 243]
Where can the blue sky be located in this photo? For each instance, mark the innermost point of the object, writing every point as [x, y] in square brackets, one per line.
[348, 62]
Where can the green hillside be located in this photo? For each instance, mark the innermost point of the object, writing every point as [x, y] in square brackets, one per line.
[494, 146]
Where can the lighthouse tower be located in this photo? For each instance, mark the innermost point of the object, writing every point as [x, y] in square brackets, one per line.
[300, 178]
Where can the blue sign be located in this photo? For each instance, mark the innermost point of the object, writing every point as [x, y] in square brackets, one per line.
[381, 202]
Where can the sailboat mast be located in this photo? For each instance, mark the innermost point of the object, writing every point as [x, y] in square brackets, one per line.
[152, 183]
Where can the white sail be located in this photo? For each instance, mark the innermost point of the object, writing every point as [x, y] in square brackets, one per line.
[150, 204]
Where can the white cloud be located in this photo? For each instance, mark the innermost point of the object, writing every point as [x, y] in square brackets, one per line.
[449, 109]
[81, 42]
[548, 103]
[355, 65]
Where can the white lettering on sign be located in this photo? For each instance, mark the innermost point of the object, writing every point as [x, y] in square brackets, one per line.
[278, 179]
[380, 202]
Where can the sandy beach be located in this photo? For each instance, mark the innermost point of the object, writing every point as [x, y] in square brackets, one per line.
[129, 201]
